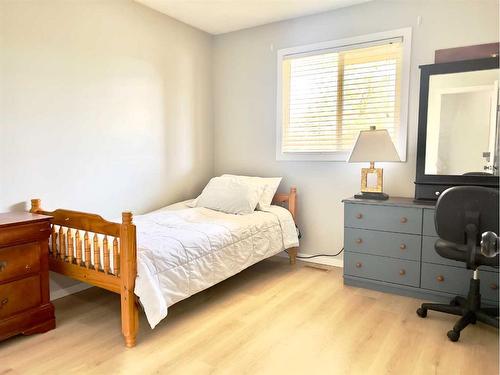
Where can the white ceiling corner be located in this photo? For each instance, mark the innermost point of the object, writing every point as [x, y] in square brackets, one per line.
[222, 16]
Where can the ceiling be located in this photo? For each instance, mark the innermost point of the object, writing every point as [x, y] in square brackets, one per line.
[222, 16]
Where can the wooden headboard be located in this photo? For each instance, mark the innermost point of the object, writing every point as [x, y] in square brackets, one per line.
[289, 201]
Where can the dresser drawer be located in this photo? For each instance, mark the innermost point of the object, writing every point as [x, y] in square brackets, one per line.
[429, 227]
[456, 280]
[386, 218]
[399, 271]
[19, 295]
[396, 245]
[430, 255]
[489, 285]
[19, 260]
[25, 233]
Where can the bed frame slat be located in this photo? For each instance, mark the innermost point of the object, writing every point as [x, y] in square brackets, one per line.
[62, 250]
[97, 254]
[70, 245]
[116, 257]
[78, 248]
[87, 249]
[105, 251]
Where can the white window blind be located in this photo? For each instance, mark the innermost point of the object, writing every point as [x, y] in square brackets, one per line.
[329, 96]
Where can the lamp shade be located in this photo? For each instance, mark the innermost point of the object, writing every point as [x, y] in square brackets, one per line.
[373, 145]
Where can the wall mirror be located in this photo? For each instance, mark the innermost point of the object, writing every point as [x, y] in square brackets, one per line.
[462, 123]
[458, 126]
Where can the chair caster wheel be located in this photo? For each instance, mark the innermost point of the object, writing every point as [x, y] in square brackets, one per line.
[421, 312]
[453, 335]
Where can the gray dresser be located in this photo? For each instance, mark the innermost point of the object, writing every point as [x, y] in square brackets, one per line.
[389, 246]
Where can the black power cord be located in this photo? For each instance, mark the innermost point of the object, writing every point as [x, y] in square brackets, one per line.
[315, 255]
[318, 255]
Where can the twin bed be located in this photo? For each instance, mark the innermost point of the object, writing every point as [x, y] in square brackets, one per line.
[167, 255]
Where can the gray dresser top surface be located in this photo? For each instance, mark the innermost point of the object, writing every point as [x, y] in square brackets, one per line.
[393, 201]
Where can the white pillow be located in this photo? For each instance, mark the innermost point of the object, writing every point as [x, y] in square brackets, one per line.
[229, 196]
[269, 186]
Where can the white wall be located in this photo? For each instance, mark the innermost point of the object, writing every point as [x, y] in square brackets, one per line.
[104, 106]
[244, 66]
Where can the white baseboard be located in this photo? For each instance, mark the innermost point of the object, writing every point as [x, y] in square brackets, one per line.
[63, 292]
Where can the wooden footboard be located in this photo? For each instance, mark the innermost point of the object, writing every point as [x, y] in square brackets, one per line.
[88, 248]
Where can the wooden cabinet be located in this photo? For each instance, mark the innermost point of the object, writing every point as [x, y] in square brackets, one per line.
[25, 306]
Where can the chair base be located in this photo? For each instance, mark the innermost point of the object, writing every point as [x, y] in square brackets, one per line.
[468, 308]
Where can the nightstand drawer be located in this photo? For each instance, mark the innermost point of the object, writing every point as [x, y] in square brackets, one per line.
[19, 295]
[25, 233]
[19, 260]
[456, 280]
[386, 218]
[405, 272]
[395, 245]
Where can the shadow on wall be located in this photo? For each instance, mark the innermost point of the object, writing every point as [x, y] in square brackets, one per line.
[18, 207]
[120, 113]
[188, 139]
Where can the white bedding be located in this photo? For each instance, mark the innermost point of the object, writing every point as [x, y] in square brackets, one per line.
[183, 250]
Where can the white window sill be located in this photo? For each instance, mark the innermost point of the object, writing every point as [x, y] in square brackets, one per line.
[312, 156]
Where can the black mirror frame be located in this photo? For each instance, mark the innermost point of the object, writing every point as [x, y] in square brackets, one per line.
[430, 186]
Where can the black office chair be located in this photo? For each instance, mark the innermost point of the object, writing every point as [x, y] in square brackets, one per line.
[466, 223]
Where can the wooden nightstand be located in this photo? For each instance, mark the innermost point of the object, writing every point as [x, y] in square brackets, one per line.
[25, 306]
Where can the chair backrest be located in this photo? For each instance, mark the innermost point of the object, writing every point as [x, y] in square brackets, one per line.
[459, 205]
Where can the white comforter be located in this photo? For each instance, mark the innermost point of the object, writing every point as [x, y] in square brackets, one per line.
[182, 250]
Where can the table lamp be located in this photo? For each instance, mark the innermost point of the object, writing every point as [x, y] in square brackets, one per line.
[371, 146]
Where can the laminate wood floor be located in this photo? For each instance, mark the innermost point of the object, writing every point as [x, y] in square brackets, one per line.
[270, 319]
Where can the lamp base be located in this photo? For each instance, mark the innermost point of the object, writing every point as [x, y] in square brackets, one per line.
[375, 196]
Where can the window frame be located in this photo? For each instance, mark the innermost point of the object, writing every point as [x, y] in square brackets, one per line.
[401, 144]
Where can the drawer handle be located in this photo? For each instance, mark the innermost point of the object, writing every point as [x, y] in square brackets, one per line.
[359, 240]
[359, 216]
[403, 220]
[3, 265]
[402, 246]
[3, 302]
[402, 272]
[494, 286]
[28, 268]
[359, 265]
[440, 278]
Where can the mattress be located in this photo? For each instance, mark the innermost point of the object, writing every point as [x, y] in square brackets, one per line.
[183, 250]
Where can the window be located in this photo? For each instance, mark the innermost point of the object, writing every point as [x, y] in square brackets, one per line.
[329, 91]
